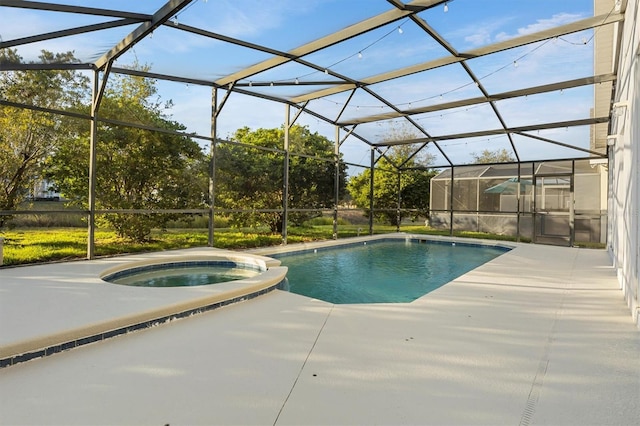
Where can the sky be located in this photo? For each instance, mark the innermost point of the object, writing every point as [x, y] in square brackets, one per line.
[287, 24]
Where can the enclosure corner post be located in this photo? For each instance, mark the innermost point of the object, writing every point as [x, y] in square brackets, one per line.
[572, 205]
[285, 179]
[212, 164]
[399, 201]
[451, 198]
[92, 171]
[518, 208]
[337, 184]
[97, 91]
[371, 191]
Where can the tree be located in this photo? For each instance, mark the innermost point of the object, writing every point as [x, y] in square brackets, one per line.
[497, 156]
[28, 136]
[251, 178]
[415, 176]
[136, 168]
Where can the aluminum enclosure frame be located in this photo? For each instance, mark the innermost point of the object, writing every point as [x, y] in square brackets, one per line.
[240, 82]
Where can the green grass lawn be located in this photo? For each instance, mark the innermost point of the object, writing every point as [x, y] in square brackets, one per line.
[42, 237]
[35, 245]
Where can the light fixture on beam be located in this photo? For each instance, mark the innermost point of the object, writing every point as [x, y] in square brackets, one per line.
[446, 7]
[598, 162]
[618, 107]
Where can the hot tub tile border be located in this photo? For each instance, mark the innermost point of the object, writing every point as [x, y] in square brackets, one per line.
[180, 264]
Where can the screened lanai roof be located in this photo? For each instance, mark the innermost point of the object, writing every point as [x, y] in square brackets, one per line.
[457, 76]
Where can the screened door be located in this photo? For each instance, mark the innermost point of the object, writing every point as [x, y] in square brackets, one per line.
[553, 209]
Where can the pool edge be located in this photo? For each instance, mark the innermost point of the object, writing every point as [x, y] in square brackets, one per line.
[45, 345]
[301, 247]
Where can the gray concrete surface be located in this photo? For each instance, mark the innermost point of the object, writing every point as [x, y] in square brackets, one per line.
[540, 335]
[45, 305]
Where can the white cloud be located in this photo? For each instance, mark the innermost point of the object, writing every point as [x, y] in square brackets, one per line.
[479, 33]
[541, 25]
[488, 32]
[480, 38]
[243, 18]
[191, 108]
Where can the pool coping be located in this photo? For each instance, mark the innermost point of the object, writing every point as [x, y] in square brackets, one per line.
[328, 244]
[172, 308]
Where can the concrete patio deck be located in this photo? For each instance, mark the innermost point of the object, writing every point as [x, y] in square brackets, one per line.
[540, 335]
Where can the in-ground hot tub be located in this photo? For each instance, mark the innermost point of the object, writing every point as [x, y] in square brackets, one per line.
[187, 273]
[225, 277]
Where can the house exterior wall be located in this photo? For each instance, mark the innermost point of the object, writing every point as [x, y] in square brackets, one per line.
[603, 64]
[624, 151]
[41, 191]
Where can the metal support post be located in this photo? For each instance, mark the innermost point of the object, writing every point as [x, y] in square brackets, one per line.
[398, 217]
[97, 91]
[336, 184]
[519, 208]
[212, 163]
[451, 198]
[373, 163]
[285, 180]
[91, 220]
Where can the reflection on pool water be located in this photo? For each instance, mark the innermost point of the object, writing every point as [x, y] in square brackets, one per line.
[389, 271]
[183, 274]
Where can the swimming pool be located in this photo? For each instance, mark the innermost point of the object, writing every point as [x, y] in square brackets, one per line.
[384, 271]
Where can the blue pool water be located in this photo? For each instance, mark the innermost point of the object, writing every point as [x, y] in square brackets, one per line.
[184, 274]
[382, 272]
